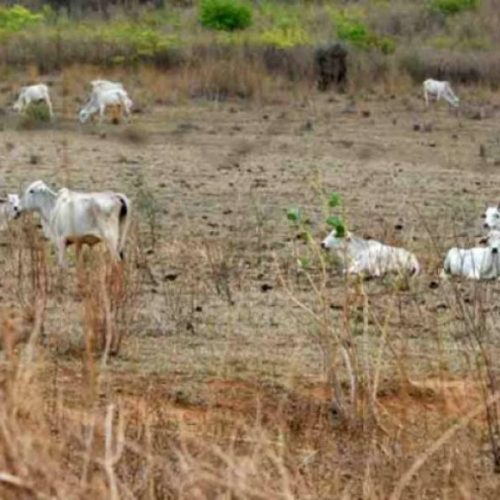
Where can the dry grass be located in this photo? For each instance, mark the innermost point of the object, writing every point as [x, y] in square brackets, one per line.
[239, 373]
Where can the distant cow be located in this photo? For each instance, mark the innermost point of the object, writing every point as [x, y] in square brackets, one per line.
[33, 94]
[101, 100]
[370, 257]
[331, 65]
[439, 90]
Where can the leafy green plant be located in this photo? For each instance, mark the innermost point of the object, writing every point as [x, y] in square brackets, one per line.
[17, 18]
[293, 214]
[225, 15]
[337, 224]
[449, 7]
[335, 200]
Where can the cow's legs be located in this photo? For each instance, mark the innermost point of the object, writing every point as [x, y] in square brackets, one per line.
[102, 111]
[49, 105]
[61, 248]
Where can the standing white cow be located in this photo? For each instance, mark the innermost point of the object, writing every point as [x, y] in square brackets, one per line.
[102, 99]
[478, 263]
[33, 94]
[10, 208]
[369, 256]
[439, 90]
[74, 217]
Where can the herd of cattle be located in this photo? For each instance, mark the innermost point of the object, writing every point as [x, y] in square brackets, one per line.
[105, 95]
[70, 217]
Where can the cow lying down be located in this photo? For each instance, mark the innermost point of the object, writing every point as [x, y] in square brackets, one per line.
[478, 263]
[370, 257]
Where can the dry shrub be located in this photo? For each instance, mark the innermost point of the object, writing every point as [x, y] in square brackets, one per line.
[221, 76]
[468, 67]
[16, 324]
[110, 293]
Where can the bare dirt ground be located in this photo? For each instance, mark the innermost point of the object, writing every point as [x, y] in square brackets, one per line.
[218, 333]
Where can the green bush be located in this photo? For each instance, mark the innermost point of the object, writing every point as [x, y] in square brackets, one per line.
[15, 19]
[225, 15]
[353, 30]
[449, 7]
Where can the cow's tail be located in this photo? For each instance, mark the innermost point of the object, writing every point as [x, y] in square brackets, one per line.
[123, 223]
[415, 266]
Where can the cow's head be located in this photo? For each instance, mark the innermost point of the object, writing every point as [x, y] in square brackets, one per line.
[84, 115]
[35, 196]
[13, 206]
[494, 241]
[333, 240]
[492, 218]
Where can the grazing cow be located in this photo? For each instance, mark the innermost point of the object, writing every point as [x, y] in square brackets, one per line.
[33, 93]
[438, 90]
[100, 100]
[370, 257]
[74, 217]
[10, 208]
[478, 263]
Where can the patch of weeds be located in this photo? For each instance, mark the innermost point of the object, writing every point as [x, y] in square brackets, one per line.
[450, 7]
[35, 116]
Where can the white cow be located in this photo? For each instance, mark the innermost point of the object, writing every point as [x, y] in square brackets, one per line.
[33, 93]
[102, 99]
[478, 263]
[10, 208]
[369, 256]
[440, 90]
[74, 217]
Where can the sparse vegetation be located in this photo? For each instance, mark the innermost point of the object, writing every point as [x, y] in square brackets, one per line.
[173, 37]
[449, 7]
[229, 356]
